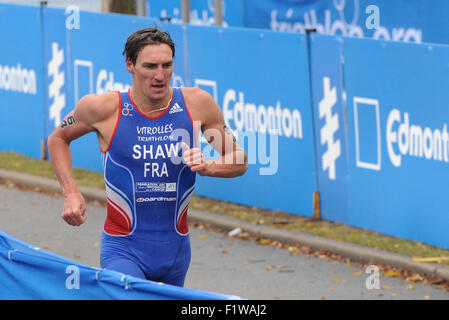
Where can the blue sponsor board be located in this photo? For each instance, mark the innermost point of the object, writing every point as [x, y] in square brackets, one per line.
[56, 49]
[201, 12]
[398, 138]
[330, 126]
[399, 20]
[21, 86]
[252, 75]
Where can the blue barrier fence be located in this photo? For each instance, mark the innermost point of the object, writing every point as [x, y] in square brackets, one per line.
[21, 80]
[28, 272]
[360, 121]
[274, 127]
[399, 20]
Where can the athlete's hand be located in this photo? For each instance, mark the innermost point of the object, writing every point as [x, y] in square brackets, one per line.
[194, 159]
[74, 211]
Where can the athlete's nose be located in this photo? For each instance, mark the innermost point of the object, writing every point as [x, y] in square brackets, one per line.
[159, 76]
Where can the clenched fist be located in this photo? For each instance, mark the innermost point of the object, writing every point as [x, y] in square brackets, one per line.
[74, 211]
[194, 159]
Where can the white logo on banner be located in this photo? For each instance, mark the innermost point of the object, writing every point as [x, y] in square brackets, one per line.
[346, 24]
[328, 130]
[54, 89]
[372, 106]
[405, 138]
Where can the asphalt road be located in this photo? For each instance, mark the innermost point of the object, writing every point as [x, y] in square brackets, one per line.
[219, 263]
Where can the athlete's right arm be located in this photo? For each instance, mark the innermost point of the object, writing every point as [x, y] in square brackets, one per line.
[88, 115]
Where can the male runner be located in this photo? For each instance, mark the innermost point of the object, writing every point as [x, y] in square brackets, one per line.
[144, 135]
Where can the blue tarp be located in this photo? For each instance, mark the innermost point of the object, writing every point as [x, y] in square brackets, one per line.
[28, 272]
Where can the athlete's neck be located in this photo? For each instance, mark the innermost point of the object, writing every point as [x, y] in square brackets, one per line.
[148, 105]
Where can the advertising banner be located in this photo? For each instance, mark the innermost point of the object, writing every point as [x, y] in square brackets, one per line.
[201, 12]
[260, 81]
[398, 138]
[326, 70]
[399, 20]
[21, 80]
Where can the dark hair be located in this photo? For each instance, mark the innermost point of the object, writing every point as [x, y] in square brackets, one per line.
[147, 36]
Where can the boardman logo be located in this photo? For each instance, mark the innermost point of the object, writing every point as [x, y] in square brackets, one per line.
[175, 108]
[151, 199]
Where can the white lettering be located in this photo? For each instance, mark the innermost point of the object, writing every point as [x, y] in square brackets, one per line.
[340, 26]
[245, 116]
[105, 83]
[18, 79]
[162, 151]
[155, 170]
[413, 140]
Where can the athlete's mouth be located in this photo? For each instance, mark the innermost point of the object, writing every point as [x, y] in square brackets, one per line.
[158, 86]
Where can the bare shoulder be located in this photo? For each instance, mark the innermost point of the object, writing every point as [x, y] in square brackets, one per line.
[95, 108]
[195, 96]
[200, 103]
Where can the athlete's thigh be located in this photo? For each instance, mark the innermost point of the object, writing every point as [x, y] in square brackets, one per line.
[178, 271]
[124, 265]
[115, 255]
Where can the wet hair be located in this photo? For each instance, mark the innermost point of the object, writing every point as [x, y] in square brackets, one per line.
[147, 36]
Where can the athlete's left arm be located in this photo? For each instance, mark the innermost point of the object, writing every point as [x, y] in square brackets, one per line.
[233, 160]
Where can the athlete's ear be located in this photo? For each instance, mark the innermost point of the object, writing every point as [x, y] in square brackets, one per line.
[130, 66]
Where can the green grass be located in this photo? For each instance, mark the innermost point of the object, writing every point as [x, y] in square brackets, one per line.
[279, 219]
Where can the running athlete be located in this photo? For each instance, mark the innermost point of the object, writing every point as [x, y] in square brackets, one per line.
[148, 140]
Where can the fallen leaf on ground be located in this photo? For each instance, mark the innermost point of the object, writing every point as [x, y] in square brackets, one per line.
[430, 259]
[414, 278]
[391, 273]
[281, 267]
[203, 236]
[310, 225]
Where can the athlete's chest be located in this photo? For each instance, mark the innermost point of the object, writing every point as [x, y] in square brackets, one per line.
[151, 146]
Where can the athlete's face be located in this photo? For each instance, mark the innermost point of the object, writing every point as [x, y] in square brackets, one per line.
[153, 70]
